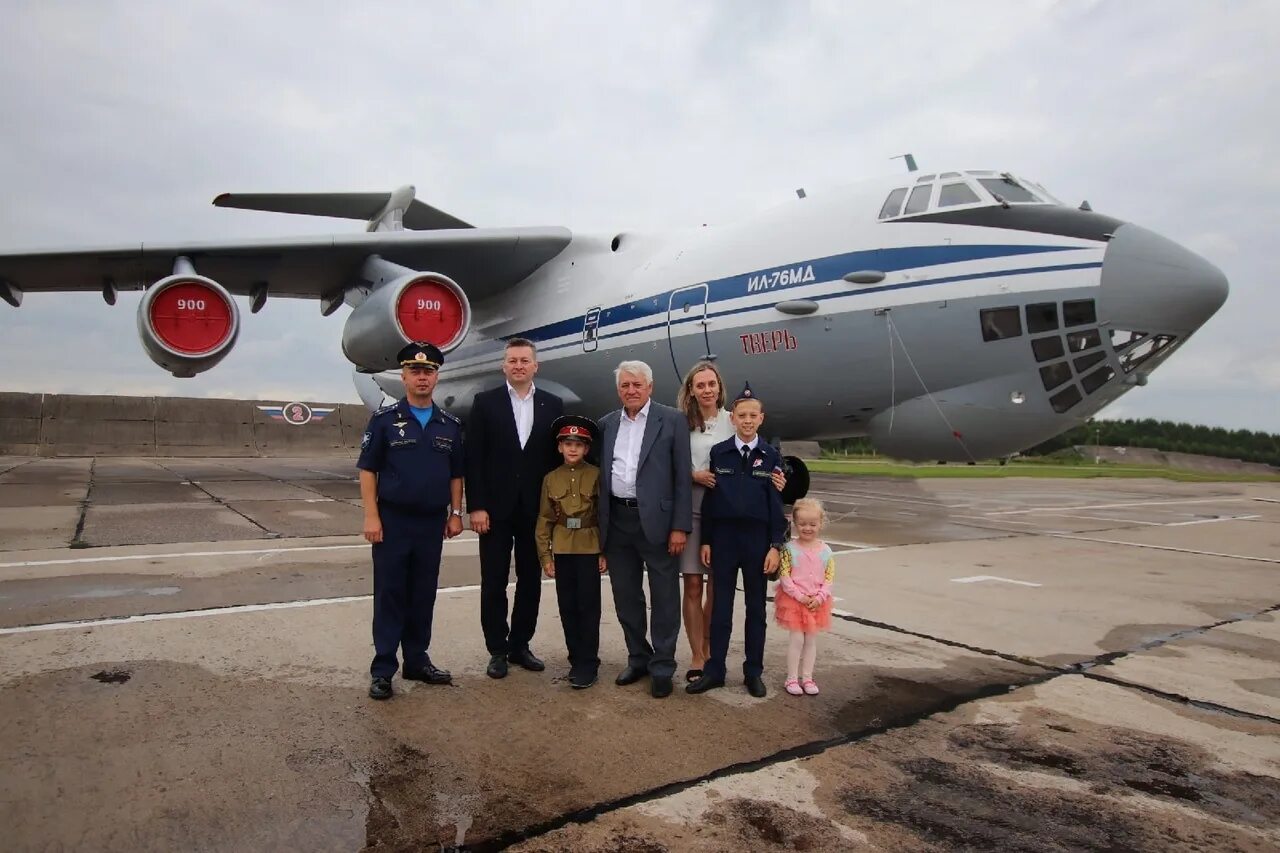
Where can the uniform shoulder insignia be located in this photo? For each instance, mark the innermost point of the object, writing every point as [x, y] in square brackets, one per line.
[451, 416]
[384, 410]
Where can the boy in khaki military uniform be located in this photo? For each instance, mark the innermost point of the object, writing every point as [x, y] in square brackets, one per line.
[569, 545]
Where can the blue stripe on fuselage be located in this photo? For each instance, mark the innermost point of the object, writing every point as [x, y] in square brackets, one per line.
[824, 269]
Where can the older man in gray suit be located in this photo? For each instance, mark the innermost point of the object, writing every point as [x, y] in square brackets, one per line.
[645, 515]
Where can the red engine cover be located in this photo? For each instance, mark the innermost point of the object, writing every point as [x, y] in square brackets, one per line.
[187, 323]
[431, 310]
[191, 318]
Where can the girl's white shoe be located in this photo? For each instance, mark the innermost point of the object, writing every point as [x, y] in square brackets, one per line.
[809, 686]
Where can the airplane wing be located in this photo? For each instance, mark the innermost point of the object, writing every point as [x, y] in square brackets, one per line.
[484, 261]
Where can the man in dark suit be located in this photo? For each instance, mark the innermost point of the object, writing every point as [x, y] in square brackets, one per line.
[509, 449]
[645, 515]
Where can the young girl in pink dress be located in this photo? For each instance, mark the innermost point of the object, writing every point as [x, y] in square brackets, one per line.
[802, 603]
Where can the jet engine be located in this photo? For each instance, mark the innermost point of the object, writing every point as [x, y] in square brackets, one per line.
[187, 323]
[417, 306]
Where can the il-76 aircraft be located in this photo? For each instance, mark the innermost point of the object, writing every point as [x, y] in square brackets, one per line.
[954, 315]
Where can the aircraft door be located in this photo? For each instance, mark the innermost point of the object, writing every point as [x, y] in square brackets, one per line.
[591, 330]
[687, 335]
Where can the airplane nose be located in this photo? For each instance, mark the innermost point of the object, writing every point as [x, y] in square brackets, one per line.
[1152, 284]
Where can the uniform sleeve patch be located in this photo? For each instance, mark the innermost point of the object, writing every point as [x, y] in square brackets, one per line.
[364, 442]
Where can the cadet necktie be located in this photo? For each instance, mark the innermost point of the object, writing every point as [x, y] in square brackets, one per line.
[746, 458]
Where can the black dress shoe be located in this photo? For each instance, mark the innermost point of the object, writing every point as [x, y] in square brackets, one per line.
[755, 686]
[660, 686]
[497, 667]
[380, 688]
[630, 675]
[430, 673]
[703, 684]
[526, 659]
[583, 680]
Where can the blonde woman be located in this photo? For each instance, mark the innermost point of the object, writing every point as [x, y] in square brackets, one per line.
[702, 400]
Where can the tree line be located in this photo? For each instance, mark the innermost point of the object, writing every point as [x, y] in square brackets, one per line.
[1242, 444]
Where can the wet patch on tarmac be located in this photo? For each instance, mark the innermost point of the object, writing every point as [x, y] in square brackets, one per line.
[1261, 686]
[903, 696]
[959, 799]
[1116, 760]
[771, 825]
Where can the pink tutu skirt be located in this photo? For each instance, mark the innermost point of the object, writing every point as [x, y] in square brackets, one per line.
[794, 616]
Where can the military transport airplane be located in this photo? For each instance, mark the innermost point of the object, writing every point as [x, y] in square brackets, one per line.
[954, 315]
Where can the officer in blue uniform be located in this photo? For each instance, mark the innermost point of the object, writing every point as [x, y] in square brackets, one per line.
[411, 483]
[743, 528]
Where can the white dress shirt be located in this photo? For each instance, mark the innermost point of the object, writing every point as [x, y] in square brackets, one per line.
[739, 443]
[626, 452]
[523, 410]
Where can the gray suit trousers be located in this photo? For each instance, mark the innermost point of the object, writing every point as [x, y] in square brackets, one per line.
[629, 553]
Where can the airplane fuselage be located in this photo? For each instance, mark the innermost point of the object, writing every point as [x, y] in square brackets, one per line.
[942, 347]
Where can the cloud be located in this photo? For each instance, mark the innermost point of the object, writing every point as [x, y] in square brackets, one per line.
[123, 120]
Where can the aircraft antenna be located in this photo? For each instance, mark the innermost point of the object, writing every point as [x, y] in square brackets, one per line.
[909, 159]
[956, 434]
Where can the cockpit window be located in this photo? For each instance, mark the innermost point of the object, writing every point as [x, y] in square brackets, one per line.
[1044, 192]
[919, 200]
[923, 178]
[1010, 190]
[893, 204]
[953, 194]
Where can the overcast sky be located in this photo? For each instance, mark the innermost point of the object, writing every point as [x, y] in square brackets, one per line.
[122, 120]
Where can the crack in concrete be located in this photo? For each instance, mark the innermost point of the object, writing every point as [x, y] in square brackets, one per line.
[1110, 657]
[77, 540]
[885, 626]
[220, 502]
[1202, 704]
[806, 750]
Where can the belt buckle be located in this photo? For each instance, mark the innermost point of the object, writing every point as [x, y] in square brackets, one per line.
[573, 523]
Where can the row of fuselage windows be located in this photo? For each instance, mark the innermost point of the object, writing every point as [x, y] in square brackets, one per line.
[955, 189]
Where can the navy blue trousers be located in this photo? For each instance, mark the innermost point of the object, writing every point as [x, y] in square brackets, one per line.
[578, 594]
[738, 546]
[406, 571]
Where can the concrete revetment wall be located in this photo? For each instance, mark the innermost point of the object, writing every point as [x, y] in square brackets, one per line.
[93, 425]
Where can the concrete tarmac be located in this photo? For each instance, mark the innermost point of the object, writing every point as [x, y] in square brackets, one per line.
[1016, 664]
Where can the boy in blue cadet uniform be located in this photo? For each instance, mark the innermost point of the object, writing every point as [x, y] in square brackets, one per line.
[411, 484]
[743, 527]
